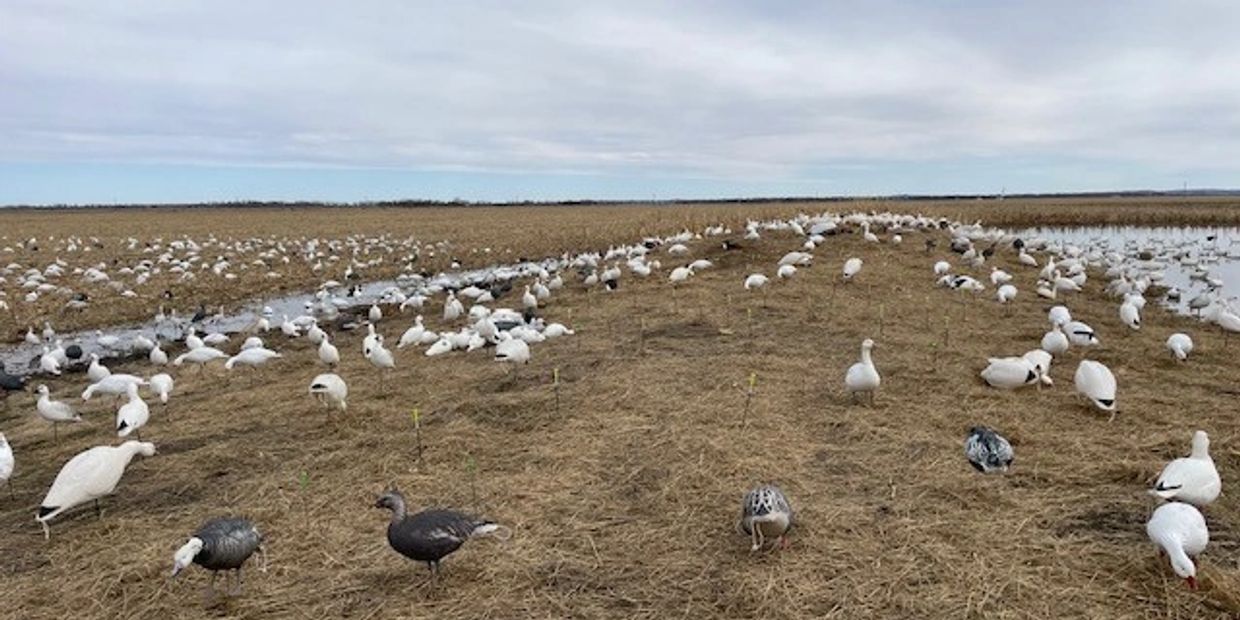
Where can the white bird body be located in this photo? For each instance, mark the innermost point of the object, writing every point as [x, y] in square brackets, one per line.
[942, 268]
[755, 281]
[161, 386]
[852, 267]
[88, 476]
[132, 415]
[192, 341]
[6, 460]
[786, 271]
[1180, 345]
[413, 335]
[1055, 341]
[201, 356]
[54, 411]
[1095, 382]
[1179, 530]
[375, 314]
[512, 350]
[439, 347]
[679, 274]
[1006, 293]
[1080, 334]
[115, 384]
[328, 353]
[96, 371]
[158, 357]
[330, 390]
[555, 330]
[1041, 361]
[863, 376]
[1130, 314]
[1059, 316]
[253, 342]
[252, 357]
[1009, 373]
[1193, 479]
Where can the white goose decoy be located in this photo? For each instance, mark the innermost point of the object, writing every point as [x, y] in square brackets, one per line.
[786, 271]
[1095, 382]
[158, 357]
[331, 390]
[852, 267]
[6, 464]
[96, 371]
[1130, 314]
[1055, 341]
[328, 353]
[1179, 530]
[1080, 334]
[511, 350]
[413, 335]
[88, 476]
[1009, 373]
[253, 342]
[863, 377]
[133, 415]
[765, 513]
[48, 362]
[1193, 479]
[1041, 362]
[1059, 316]
[1006, 293]
[200, 356]
[439, 347]
[452, 307]
[161, 386]
[192, 341]
[252, 357]
[529, 300]
[375, 314]
[1180, 346]
[289, 328]
[755, 281]
[381, 358]
[115, 384]
[54, 411]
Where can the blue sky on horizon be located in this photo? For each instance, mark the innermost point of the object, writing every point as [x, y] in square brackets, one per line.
[153, 101]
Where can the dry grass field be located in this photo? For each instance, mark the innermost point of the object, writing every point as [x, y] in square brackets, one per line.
[623, 499]
[508, 232]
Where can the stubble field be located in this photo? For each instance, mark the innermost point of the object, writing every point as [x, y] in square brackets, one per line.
[623, 498]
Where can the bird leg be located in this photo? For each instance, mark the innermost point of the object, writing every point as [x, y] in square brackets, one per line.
[98, 510]
[240, 585]
[210, 593]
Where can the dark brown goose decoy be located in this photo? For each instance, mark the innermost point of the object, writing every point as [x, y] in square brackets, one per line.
[431, 535]
[221, 544]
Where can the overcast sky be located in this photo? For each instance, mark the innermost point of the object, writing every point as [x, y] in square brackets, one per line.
[161, 100]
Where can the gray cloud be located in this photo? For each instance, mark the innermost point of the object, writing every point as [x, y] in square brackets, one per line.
[710, 89]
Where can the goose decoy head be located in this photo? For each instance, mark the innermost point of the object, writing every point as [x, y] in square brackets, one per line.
[185, 555]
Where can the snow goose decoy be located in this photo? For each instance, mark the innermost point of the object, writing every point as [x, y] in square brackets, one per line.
[96, 371]
[200, 357]
[54, 411]
[133, 415]
[6, 464]
[252, 357]
[1096, 383]
[328, 353]
[512, 350]
[116, 384]
[1179, 530]
[331, 390]
[987, 450]
[1130, 314]
[158, 356]
[1041, 362]
[221, 544]
[1059, 316]
[1180, 346]
[88, 476]
[431, 535]
[1055, 341]
[852, 267]
[863, 377]
[765, 513]
[1192, 479]
[161, 386]
[1009, 373]
[1080, 334]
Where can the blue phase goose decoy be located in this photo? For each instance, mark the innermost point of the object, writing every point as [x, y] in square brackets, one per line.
[1193, 479]
[221, 544]
[765, 513]
[987, 450]
[431, 535]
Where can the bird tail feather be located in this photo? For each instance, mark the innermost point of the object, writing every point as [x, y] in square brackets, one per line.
[500, 532]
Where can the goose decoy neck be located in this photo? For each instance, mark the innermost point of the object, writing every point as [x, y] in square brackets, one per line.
[394, 501]
[1201, 445]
